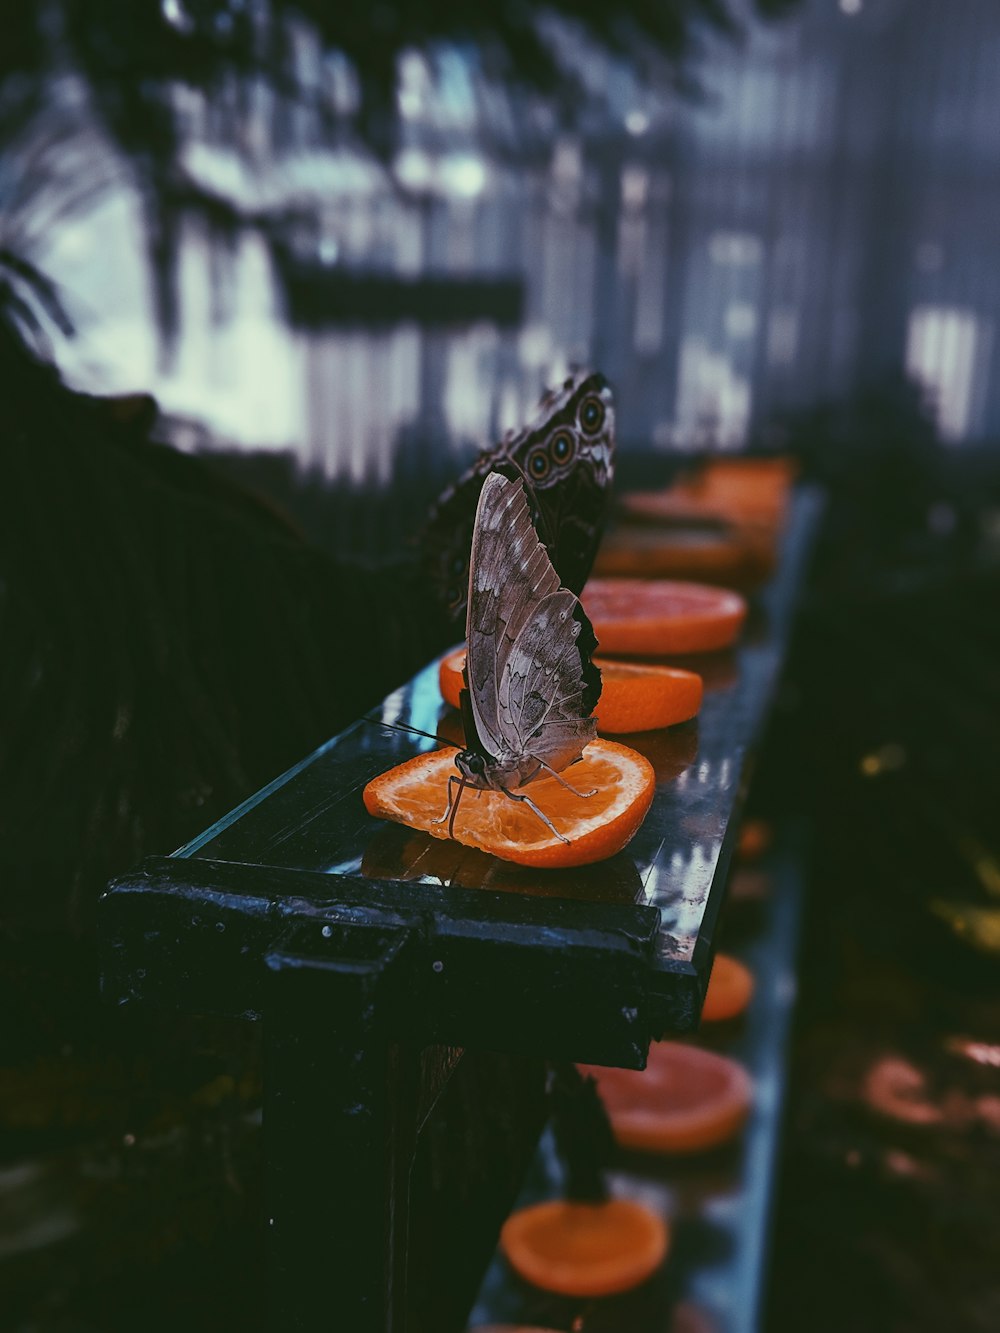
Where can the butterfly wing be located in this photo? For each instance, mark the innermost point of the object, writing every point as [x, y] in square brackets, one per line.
[446, 540]
[532, 683]
[566, 455]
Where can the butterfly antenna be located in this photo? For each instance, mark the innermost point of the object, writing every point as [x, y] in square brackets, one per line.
[415, 731]
[454, 809]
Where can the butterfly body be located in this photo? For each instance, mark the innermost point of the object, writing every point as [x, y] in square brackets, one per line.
[566, 456]
[530, 682]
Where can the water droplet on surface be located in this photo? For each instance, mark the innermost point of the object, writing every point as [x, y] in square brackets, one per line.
[326, 932]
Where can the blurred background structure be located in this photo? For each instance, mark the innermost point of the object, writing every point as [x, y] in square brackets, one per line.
[807, 208]
[269, 273]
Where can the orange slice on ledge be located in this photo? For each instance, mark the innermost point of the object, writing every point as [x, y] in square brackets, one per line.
[744, 491]
[686, 1100]
[585, 1249]
[681, 553]
[416, 793]
[658, 617]
[730, 989]
[640, 696]
[511, 1328]
[754, 840]
[634, 696]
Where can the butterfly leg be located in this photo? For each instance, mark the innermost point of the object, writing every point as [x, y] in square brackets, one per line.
[452, 808]
[563, 783]
[541, 814]
[450, 802]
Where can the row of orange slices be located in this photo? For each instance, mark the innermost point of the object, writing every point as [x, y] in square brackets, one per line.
[718, 524]
[631, 617]
[687, 1100]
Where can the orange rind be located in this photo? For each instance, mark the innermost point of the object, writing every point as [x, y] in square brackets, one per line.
[661, 617]
[415, 793]
[754, 839]
[585, 1249]
[730, 989]
[686, 1100]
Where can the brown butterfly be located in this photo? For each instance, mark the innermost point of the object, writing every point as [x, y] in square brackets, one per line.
[566, 457]
[530, 681]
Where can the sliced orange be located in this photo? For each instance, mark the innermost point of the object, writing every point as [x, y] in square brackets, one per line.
[730, 988]
[639, 696]
[450, 677]
[634, 696]
[896, 1088]
[416, 793]
[511, 1328]
[686, 1100]
[658, 617]
[681, 553]
[754, 839]
[585, 1249]
[739, 557]
[741, 490]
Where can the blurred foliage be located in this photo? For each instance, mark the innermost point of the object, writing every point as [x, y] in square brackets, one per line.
[170, 644]
[172, 641]
[126, 47]
[132, 58]
[891, 728]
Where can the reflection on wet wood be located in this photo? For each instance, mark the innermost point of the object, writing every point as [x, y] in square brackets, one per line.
[399, 853]
[670, 750]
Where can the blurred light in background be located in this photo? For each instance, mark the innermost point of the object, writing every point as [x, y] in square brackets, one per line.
[824, 216]
[947, 351]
